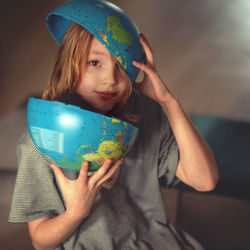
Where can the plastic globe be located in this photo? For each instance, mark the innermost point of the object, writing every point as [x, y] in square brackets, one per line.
[68, 135]
[107, 22]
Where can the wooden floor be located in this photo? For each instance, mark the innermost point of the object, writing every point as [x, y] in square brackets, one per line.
[202, 51]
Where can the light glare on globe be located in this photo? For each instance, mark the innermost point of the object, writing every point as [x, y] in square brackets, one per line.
[68, 120]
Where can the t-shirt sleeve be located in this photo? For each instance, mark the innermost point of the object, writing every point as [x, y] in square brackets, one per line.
[168, 154]
[36, 193]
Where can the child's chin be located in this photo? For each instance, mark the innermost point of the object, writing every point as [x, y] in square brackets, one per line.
[102, 111]
[73, 98]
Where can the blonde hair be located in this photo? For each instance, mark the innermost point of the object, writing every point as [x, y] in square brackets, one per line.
[68, 68]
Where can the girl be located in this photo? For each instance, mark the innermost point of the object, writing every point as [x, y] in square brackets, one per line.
[68, 210]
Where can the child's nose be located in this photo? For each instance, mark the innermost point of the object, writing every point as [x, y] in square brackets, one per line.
[110, 76]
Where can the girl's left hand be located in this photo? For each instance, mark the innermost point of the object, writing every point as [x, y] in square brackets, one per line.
[156, 88]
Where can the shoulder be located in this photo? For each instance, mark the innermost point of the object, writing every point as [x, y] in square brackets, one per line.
[25, 139]
[141, 104]
[28, 155]
[153, 122]
[153, 118]
[28, 152]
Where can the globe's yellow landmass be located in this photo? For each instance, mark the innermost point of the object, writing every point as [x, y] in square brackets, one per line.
[113, 149]
[107, 149]
[113, 121]
[104, 37]
[119, 58]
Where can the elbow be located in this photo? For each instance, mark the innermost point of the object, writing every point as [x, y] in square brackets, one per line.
[39, 247]
[40, 244]
[206, 187]
[209, 184]
[36, 246]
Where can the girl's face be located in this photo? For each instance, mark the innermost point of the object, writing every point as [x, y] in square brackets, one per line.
[100, 85]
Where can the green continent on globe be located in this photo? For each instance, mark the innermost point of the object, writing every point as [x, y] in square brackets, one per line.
[114, 149]
[76, 165]
[119, 33]
[107, 149]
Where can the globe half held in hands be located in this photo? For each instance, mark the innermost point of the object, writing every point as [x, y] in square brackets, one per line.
[68, 135]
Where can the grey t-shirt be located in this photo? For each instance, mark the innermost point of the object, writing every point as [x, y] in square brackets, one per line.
[130, 215]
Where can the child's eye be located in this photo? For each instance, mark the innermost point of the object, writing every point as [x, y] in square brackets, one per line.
[95, 63]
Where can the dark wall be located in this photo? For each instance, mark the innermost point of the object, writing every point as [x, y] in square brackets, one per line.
[201, 51]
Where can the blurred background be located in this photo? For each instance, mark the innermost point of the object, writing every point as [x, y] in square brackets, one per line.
[202, 52]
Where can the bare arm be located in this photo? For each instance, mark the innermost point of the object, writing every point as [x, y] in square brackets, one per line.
[49, 232]
[196, 166]
[79, 195]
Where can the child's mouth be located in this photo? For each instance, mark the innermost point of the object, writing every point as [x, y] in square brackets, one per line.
[106, 95]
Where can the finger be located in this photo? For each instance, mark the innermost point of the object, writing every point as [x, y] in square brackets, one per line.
[110, 172]
[58, 172]
[145, 41]
[141, 66]
[83, 175]
[147, 48]
[148, 70]
[109, 183]
[100, 172]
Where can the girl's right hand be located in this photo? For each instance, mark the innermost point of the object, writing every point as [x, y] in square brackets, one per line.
[80, 194]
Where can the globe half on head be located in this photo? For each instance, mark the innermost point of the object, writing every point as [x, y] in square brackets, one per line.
[109, 24]
[68, 135]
